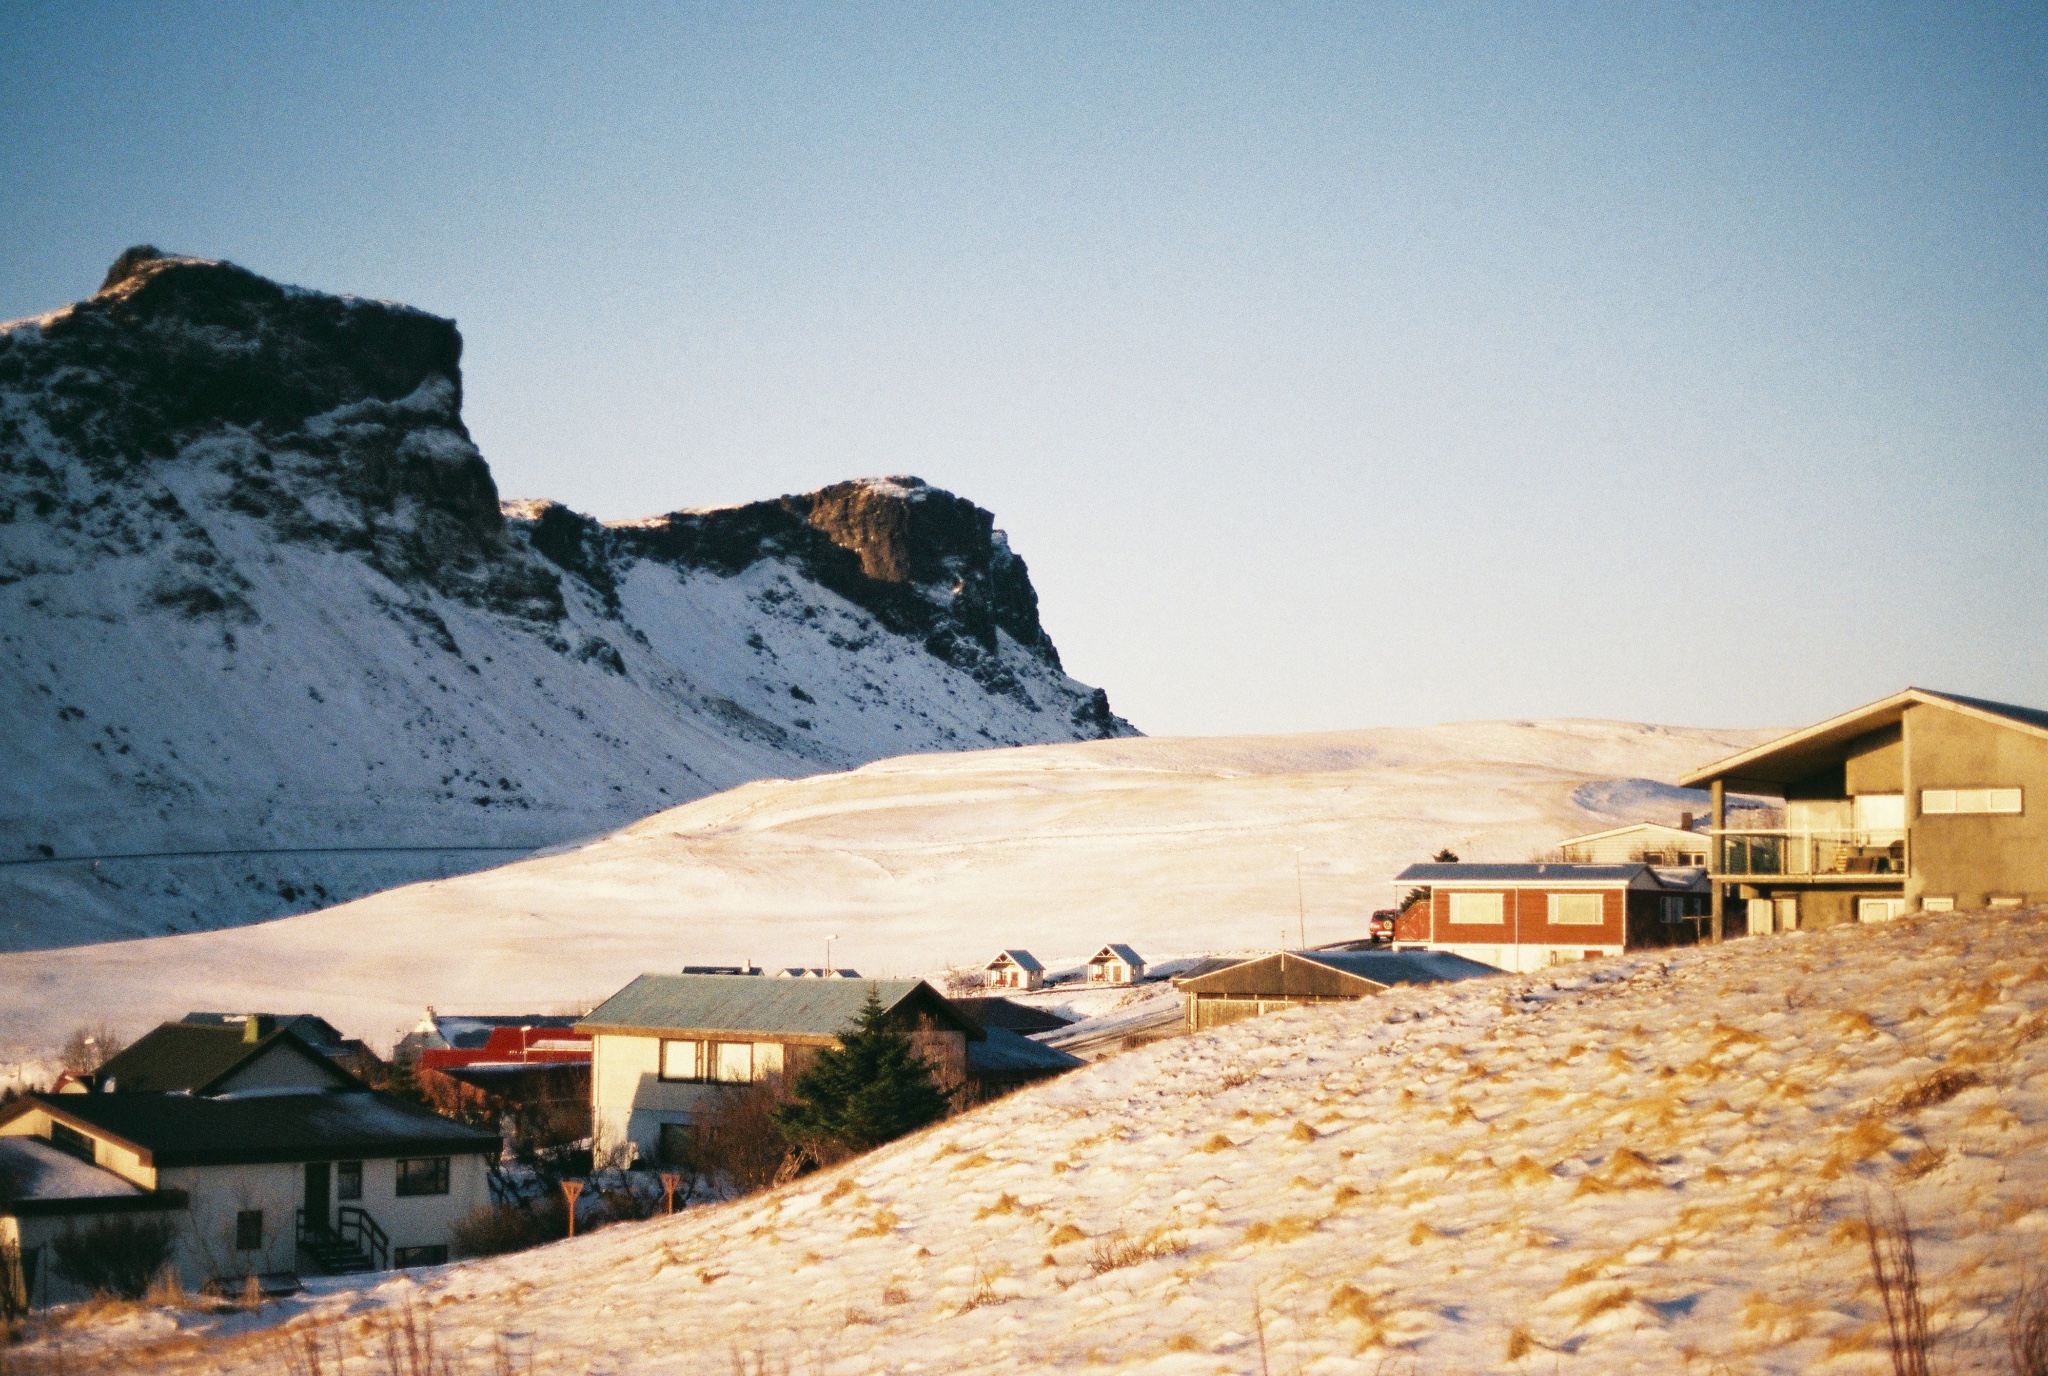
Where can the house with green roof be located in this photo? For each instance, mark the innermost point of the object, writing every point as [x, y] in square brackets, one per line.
[667, 1049]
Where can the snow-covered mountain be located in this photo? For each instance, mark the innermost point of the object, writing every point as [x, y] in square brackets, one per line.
[261, 607]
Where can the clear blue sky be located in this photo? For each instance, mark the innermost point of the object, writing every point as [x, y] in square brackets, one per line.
[1682, 363]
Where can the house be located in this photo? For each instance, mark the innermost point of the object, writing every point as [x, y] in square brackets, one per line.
[1015, 969]
[1641, 843]
[812, 972]
[277, 1163]
[1291, 979]
[1116, 963]
[1021, 1018]
[1919, 802]
[530, 1070]
[216, 1058]
[666, 1049]
[1524, 917]
[1004, 1060]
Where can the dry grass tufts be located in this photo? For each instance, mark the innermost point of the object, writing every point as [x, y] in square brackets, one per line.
[1921, 1163]
[844, 1187]
[968, 1163]
[1895, 1270]
[895, 1294]
[1237, 1077]
[1066, 1233]
[1218, 1142]
[883, 1223]
[1520, 1343]
[1937, 1088]
[2026, 1329]
[1423, 1232]
[1006, 1203]
[1184, 1342]
[1285, 1228]
[1347, 1193]
[1526, 1171]
[1302, 1132]
[1626, 1169]
[1605, 1303]
[1854, 1023]
[1115, 1250]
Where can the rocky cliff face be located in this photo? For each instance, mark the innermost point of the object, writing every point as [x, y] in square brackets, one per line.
[258, 595]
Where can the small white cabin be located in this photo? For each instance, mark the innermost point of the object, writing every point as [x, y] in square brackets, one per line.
[1015, 969]
[1116, 963]
[1642, 843]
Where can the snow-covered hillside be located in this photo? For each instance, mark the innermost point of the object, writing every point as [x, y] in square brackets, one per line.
[1657, 1164]
[1175, 845]
[258, 596]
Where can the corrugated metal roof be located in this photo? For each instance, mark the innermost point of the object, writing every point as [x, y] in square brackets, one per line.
[1400, 967]
[751, 1004]
[1503, 874]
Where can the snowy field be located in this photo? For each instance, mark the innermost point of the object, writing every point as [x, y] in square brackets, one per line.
[1655, 1164]
[915, 864]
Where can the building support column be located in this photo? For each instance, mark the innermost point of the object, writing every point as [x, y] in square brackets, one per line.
[1717, 851]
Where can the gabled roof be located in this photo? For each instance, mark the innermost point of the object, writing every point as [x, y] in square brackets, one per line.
[1006, 1051]
[1611, 832]
[1009, 1014]
[1335, 973]
[1116, 950]
[190, 1130]
[313, 1030]
[815, 1010]
[197, 1058]
[1023, 960]
[1767, 768]
[1522, 874]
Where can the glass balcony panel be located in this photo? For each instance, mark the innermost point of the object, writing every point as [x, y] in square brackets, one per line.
[1817, 854]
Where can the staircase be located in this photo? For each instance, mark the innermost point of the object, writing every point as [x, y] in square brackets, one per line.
[358, 1244]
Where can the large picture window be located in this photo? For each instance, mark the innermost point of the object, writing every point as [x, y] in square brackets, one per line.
[1936, 801]
[348, 1180]
[682, 1060]
[1577, 909]
[423, 1175]
[1478, 908]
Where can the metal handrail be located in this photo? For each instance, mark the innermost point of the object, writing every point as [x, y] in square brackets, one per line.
[369, 1238]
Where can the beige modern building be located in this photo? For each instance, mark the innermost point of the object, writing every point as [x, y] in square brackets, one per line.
[1921, 802]
[667, 1048]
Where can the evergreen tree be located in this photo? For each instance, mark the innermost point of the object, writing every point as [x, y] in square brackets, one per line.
[870, 1089]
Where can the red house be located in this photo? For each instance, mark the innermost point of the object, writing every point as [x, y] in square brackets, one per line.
[1525, 917]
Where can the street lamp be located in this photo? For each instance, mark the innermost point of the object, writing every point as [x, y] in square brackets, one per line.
[828, 952]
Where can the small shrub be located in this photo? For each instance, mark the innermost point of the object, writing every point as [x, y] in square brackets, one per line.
[118, 1256]
[89, 1048]
[1937, 1088]
[500, 1228]
[1895, 1270]
[1115, 1250]
[2026, 1329]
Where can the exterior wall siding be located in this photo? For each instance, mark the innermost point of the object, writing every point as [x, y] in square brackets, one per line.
[1525, 939]
[1975, 858]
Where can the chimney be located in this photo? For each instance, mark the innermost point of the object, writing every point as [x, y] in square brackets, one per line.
[252, 1027]
[1685, 821]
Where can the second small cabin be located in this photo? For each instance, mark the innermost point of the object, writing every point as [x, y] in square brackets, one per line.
[1015, 969]
[1116, 963]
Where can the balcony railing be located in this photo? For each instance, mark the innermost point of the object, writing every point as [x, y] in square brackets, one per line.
[1814, 854]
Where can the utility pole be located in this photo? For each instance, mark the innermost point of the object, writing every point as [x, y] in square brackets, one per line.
[1300, 903]
[828, 953]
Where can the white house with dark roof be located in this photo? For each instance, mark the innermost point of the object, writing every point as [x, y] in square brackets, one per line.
[1116, 963]
[1015, 969]
[273, 1162]
[1526, 917]
[667, 1048]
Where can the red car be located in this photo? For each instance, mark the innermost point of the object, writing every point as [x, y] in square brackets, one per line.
[1381, 928]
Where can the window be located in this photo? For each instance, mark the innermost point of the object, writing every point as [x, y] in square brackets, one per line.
[1879, 909]
[1934, 801]
[348, 1180]
[249, 1230]
[433, 1255]
[682, 1060]
[732, 1062]
[1938, 905]
[1671, 908]
[423, 1175]
[69, 1139]
[2005, 900]
[1578, 909]
[1477, 907]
